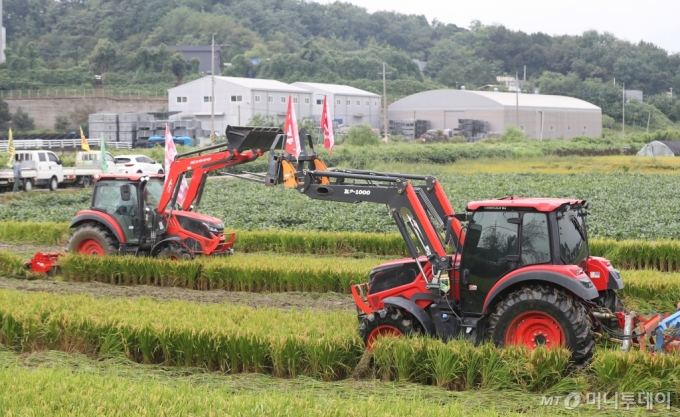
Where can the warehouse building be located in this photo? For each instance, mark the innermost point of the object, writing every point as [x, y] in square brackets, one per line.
[477, 114]
[237, 101]
[203, 53]
[348, 105]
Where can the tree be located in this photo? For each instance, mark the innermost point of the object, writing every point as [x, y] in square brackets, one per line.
[178, 67]
[22, 121]
[362, 136]
[5, 115]
[104, 56]
[61, 124]
[195, 65]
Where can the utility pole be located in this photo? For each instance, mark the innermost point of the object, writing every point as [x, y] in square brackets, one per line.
[212, 97]
[649, 117]
[623, 106]
[385, 103]
[517, 97]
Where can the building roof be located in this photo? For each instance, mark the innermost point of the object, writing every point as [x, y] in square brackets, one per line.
[335, 89]
[251, 83]
[193, 48]
[262, 84]
[473, 100]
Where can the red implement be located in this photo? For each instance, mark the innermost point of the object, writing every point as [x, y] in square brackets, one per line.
[43, 262]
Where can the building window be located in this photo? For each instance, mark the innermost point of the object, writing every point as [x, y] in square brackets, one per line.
[181, 99]
[358, 102]
[568, 128]
[295, 100]
[306, 100]
[521, 127]
[206, 99]
[585, 128]
[552, 128]
[375, 104]
[338, 102]
[349, 102]
[271, 99]
[235, 99]
[319, 101]
[368, 103]
[257, 99]
[283, 99]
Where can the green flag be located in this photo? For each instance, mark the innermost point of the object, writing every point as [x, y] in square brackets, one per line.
[103, 157]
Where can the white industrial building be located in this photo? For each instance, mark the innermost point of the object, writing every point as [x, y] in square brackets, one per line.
[348, 105]
[237, 100]
[539, 116]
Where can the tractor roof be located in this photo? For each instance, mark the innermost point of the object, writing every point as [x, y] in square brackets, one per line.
[540, 204]
[125, 177]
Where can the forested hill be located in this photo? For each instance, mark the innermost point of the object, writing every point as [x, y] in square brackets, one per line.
[304, 40]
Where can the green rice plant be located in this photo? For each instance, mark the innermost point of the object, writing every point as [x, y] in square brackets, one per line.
[46, 233]
[636, 371]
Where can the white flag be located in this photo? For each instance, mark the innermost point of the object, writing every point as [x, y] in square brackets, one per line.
[170, 153]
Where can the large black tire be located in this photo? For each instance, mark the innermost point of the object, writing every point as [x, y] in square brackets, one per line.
[28, 185]
[610, 299]
[387, 322]
[53, 184]
[86, 182]
[555, 305]
[174, 252]
[92, 239]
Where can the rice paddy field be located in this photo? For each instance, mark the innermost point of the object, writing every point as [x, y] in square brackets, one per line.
[272, 329]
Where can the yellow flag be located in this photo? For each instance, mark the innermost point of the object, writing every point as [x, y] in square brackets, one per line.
[10, 149]
[83, 141]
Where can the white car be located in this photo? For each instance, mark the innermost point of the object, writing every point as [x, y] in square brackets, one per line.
[137, 164]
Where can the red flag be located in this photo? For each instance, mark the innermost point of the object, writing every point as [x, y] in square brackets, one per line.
[291, 129]
[170, 152]
[327, 126]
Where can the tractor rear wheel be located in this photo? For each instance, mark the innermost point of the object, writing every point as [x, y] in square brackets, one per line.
[387, 322]
[92, 239]
[541, 315]
[610, 299]
[174, 253]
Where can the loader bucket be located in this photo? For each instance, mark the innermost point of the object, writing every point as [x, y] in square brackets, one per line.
[245, 138]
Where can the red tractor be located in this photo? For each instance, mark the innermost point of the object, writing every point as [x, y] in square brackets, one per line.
[138, 214]
[520, 272]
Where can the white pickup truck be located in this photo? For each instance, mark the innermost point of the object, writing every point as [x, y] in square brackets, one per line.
[38, 168]
[88, 164]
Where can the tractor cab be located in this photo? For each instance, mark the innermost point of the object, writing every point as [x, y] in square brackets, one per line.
[129, 199]
[508, 236]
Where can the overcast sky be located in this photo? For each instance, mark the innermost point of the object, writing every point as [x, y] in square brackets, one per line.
[653, 21]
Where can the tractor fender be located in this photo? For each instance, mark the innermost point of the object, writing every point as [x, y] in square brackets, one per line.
[158, 246]
[86, 216]
[420, 314]
[583, 288]
[615, 282]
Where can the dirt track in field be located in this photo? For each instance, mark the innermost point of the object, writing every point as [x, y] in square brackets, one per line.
[327, 301]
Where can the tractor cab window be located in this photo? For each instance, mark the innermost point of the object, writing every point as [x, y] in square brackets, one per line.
[573, 238]
[107, 198]
[492, 239]
[535, 239]
[153, 192]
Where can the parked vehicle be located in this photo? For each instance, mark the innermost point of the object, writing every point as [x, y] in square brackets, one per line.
[38, 168]
[88, 164]
[137, 164]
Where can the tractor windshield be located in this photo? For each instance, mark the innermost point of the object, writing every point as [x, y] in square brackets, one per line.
[154, 189]
[573, 237]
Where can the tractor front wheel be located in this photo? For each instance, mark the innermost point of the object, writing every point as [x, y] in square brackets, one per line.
[387, 322]
[543, 316]
[174, 253]
[91, 239]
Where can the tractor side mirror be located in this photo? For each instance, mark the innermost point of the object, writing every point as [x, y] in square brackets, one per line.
[125, 194]
[461, 217]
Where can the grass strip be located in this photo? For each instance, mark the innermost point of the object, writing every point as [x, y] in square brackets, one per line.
[234, 339]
